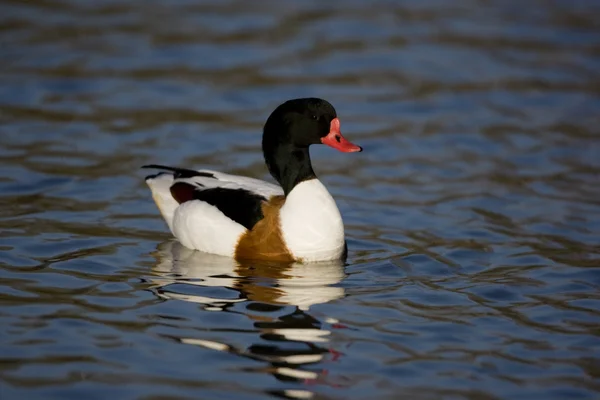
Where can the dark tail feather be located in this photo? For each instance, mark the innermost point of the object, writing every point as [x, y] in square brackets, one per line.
[180, 172]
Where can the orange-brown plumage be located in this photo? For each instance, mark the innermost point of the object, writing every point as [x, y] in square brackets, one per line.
[265, 240]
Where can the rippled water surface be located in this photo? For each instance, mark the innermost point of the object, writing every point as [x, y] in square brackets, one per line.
[472, 216]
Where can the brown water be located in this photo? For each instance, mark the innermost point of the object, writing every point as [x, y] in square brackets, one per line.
[472, 216]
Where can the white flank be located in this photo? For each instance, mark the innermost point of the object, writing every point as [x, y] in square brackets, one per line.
[311, 223]
[198, 225]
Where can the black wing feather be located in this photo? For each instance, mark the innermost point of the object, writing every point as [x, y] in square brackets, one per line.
[240, 205]
[180, 172]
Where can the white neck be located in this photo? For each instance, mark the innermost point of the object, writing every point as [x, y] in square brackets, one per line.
[311, 223]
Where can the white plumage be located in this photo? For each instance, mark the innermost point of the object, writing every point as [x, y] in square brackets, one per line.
[160, 185]
[201, 226]
[229, 181]
[311, 223]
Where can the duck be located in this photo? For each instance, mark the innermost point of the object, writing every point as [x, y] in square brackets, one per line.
[250, 219]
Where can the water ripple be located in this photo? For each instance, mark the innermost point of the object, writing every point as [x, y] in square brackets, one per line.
[472, 217]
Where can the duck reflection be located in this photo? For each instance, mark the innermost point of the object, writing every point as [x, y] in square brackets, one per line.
[285, 341]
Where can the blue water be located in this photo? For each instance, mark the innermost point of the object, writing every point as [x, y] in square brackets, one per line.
[472, 216]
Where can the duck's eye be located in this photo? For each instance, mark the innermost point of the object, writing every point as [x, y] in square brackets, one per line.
[314, 117]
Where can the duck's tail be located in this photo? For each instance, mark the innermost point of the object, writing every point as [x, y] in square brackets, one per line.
[160, 185]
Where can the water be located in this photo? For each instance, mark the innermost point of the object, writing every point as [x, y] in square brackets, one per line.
[472, 216]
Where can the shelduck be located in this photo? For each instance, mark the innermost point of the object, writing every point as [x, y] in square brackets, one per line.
[250, 219]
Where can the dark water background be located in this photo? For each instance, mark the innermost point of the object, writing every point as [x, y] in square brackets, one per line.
[473, 216]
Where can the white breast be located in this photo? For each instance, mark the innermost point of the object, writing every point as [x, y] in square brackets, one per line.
[311, 223]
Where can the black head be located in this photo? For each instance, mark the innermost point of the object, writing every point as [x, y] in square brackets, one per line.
[299, 122]
[291, 129]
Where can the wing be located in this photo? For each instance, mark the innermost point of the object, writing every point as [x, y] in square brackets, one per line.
[215, 179]
[239, 198]
[239, 205]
